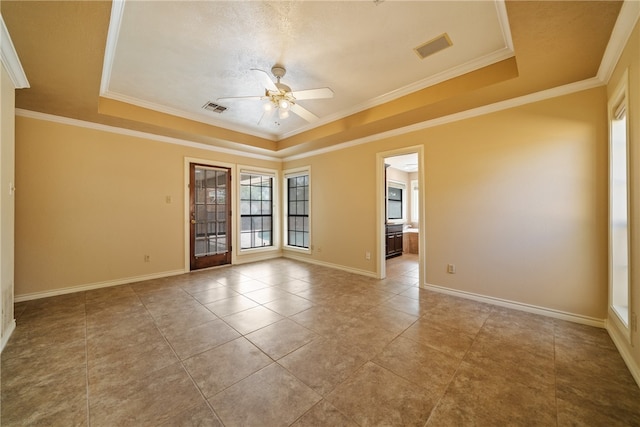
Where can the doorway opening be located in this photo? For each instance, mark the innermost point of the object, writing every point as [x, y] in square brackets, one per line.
[400, 217]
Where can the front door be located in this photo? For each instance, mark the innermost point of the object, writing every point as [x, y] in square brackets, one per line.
[210, 211]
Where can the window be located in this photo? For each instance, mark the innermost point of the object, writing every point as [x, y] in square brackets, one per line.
[618, 206]
[256, 210]
[415, 201]
[395, 207]
[297, 205]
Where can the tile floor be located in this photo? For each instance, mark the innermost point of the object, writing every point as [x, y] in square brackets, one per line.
[287, 343]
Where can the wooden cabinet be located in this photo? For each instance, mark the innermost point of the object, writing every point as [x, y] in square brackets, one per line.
[394, 240]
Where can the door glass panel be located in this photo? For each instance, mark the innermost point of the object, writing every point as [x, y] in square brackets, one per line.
[210, 211]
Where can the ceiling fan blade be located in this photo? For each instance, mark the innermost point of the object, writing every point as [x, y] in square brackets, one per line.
[323, 92]
[304, 113]
[235, 98]
[265, 79]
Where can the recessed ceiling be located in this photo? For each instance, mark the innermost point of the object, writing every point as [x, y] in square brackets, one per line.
[174, 57]
[156, 64]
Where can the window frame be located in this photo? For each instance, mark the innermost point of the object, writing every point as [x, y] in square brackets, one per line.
[403, 200]
[289, 174]
[275, 203]
[619, 101]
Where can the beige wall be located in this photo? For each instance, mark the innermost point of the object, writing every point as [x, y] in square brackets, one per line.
[92, 203]
[7, 203]
[630, 60]
[516, 199]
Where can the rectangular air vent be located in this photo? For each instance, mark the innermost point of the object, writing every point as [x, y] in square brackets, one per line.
[432, 46]
[212, 106]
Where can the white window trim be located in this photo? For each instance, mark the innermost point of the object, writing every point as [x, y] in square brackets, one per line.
[275, 211]
[619, 97]
[292, 173]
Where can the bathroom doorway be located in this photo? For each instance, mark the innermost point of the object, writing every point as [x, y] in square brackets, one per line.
[400, 214]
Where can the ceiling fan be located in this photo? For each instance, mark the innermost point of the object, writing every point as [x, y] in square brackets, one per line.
[281, 97]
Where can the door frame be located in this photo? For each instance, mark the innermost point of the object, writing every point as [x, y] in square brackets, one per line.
[186, 219]
[381, 270]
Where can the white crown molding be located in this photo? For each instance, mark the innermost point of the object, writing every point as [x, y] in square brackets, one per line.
[138, 134]
[451, 73]
[185, 115]
[117, 9]
[10, 58]
[503, 17]
[627, 18]
[475, 112]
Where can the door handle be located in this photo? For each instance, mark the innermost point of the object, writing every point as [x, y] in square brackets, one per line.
[193, 221]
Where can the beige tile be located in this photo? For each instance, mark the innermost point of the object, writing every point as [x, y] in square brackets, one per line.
[198, 416]
[197, 339]
[281, 338]
[389, 319]
[270, 397]
[323, 364]
[322, 320]
[57, 399]
[218, 368]
[252, 319]
[28, 367]
[214, 294]
[419, 364]
[474, 397]
[324, 414]
[122, 365]
[513, 360]
[250, 285]
[172, 323]
[414, 307]
[235, 304]
[375, 396]
[452, 342]
[464, 316]
[289, 305]
[263, 296]
[148, 401]
[368, 340]
[294, 286]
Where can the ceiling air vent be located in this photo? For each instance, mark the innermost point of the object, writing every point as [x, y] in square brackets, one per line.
[432, 46]
[212, 106]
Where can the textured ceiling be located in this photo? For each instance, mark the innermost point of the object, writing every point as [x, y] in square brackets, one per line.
[176, 56]
[166, 64]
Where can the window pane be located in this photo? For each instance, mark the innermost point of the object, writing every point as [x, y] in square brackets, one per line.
[256, 210]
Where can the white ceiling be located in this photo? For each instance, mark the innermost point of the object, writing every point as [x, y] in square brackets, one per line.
[404, 162]
[174, 56]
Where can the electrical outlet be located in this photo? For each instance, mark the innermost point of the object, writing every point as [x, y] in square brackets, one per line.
[451, 268]
[367, 255]
[147, 258]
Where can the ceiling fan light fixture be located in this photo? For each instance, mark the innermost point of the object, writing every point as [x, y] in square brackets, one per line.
[284, 104]
[283, 114]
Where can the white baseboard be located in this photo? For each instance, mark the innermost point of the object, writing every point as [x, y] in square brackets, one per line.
[256, 257]
[7, 334]
[90, 286]
[556, 314]
[292, 255]
[623, 349]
